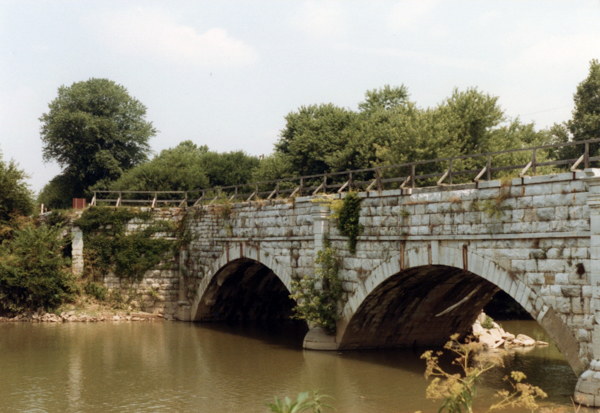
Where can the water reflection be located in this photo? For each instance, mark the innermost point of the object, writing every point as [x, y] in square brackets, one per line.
[132, 367]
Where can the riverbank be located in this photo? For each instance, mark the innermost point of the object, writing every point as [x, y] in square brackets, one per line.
[84, 310]
[71, 317]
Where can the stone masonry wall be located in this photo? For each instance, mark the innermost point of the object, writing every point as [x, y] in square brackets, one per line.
[536, 229]
[158, 290]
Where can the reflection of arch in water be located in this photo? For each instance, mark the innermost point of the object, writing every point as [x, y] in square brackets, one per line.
[242, 286]
[438, 292]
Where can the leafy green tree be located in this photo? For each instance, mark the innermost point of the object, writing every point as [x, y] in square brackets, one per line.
[15, 196]
[385, 98]
[314, 136]
[58, 193]
[187, 167]
[176, 169]
[33, 271]
[96, 131]
[585, 123]
[586, 115]
[229, 168]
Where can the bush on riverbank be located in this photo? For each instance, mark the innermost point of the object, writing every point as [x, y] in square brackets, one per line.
[33, 271]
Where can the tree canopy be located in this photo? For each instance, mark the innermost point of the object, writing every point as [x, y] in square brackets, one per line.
[15, 196]
[96, 131]
[586, 115]
[187, 167]
[389, 129]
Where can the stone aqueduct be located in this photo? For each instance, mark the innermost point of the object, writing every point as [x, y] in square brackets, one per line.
[428, 261]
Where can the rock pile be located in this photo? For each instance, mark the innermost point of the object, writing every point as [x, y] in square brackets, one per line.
[71, 317]
[496, 336]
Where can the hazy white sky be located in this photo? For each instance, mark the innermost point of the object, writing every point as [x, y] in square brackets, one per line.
[226, 73]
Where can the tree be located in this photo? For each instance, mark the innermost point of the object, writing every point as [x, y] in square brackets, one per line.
[229, 168]
[585, 123]
[33, 270]
[385, 98]
[15, 196]
[175, 169]
[96, 131]
[58, 193]
[314, 136]
[187, 167]
[586, 115]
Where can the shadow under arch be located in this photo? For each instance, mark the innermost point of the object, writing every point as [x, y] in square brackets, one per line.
[439, 292]
[244, 290]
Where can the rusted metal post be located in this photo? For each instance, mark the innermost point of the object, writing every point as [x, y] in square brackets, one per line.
[450, 171]
[412, 175]
[489, 168]
[533, 163]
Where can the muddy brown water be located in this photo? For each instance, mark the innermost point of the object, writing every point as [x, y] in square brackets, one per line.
[181, 367]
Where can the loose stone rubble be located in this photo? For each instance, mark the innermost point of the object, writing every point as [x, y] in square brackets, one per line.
[71, 317]
[496, 337]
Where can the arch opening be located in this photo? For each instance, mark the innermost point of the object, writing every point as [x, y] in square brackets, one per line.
[245, 290]
[421, 306]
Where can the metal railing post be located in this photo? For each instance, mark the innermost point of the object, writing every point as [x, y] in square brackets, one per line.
[412, 175]
[489, 168]
[450, 172]
[533, 162]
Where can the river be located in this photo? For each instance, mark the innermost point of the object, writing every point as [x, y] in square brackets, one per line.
[182, 367]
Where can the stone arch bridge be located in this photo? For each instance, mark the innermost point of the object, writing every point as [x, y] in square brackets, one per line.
[428, 261]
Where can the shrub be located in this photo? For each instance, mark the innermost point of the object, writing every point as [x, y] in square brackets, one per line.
[108, 246]
[33, 271]
[15, 196]
[96, 290]
[303, 403]
[348, 220]
[458, 390]
[319, 307]
[488, 323]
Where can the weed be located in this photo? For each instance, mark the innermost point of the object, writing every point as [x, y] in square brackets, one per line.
[319, 306]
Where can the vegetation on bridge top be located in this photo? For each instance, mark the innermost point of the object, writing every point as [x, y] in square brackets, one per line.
[387, 129]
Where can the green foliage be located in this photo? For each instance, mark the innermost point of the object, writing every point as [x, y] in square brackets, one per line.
[488, 323]
[96, 290]
[458, 390]
[493, 207]
[95, 130]
[313, 136]
[585, 123]
[304, 402]
[33, 271]
[57, 219]
[15, 196]
[108, 246]
[186, 167]
[175, 169]
[229, 168]
[319, 306]
[348, 217]
[385, 98]
[389, 129]
[586, 115]
[58, 193]
[270, 168]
